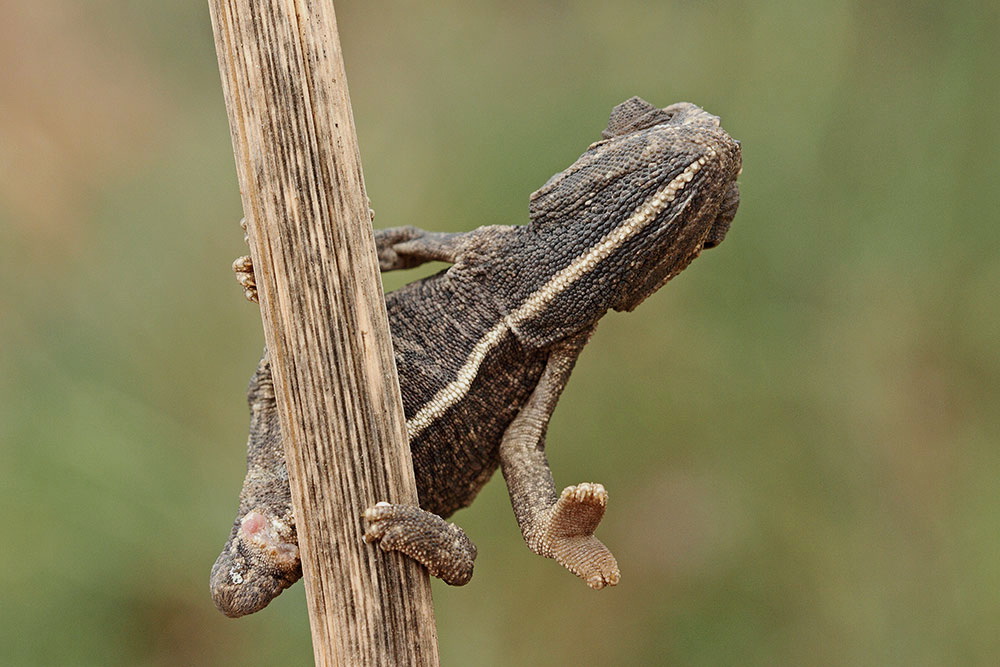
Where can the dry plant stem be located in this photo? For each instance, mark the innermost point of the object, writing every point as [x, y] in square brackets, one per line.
[325, 325]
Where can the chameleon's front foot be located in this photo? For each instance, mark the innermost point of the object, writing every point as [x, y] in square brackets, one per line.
[442, 547]
[243, 268]
[565, 532]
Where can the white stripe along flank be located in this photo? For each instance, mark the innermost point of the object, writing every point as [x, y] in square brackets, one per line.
[455, 390]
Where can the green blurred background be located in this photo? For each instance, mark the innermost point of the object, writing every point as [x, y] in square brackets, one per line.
[799, 435]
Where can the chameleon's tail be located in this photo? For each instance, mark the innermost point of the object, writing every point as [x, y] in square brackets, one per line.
[255, 566]
[261, 558]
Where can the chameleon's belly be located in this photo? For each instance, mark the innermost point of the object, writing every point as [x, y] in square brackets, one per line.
[457, 453]
[462, 383]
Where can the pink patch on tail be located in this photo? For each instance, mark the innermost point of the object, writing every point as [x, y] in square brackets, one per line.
[253, 523]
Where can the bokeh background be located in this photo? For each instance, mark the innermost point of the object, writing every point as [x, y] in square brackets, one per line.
[800, 435]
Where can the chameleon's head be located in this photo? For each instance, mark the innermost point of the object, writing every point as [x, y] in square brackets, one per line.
[656, 190]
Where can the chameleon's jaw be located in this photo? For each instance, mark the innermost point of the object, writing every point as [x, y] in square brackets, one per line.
[700, 214]
[727, 211]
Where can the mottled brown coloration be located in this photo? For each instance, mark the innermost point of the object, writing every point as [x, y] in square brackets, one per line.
[485, 347]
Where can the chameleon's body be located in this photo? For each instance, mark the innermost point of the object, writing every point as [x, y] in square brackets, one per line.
[484, 348]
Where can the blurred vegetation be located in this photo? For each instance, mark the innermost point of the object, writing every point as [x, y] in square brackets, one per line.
[800, 435]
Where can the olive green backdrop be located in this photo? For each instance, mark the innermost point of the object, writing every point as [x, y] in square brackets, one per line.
[800, 435]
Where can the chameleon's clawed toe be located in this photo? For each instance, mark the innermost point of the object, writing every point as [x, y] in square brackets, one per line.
[578, 511]
[243, 264]
[243, 268]
[377, 523]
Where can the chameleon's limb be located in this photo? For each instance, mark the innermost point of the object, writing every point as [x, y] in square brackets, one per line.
[407, 247]
[261, 558]
[442, 547]
[561, 526]
[397, 248]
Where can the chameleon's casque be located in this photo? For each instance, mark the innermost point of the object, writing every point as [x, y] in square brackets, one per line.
[485, 347]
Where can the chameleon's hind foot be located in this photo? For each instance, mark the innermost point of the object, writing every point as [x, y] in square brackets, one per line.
[442, 547]
[243, 268]
[566, 534]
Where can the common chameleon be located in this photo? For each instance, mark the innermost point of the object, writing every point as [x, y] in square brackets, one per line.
[484, 348]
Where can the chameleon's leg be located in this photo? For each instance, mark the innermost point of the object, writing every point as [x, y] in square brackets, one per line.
[261, 558]
[442, 547]
[407, 247]
[555, 526]
[398, 248]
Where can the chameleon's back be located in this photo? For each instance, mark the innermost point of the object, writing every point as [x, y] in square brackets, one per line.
[463, 377]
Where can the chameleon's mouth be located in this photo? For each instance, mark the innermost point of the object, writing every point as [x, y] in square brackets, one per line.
[717, 233]
[715, 237]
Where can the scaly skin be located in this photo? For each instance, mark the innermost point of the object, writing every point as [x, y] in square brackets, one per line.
[485, 347]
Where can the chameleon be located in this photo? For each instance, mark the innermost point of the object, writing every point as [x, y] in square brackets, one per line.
[485, 347]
